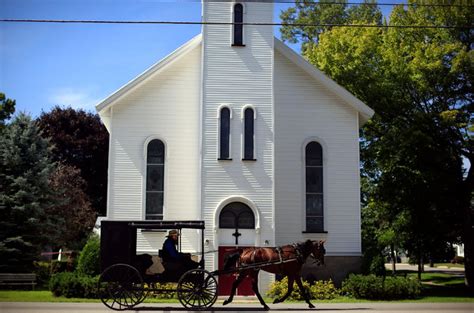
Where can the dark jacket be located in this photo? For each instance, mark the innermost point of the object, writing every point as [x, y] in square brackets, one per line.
[170, 253]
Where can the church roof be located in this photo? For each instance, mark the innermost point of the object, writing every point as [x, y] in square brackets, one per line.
[365, 112]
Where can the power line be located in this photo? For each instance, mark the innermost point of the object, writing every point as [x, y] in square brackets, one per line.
[229, 23]
[469, 5]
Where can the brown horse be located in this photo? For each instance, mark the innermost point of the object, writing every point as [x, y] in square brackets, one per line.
[286, 260]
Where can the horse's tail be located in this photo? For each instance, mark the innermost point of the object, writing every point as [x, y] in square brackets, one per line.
[231, 259]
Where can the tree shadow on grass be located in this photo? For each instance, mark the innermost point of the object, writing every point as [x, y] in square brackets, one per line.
[440, 283]
[455, 290]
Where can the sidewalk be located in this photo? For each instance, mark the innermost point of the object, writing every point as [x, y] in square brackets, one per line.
[409, 267]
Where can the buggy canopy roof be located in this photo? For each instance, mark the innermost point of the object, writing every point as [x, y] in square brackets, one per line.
[160, 224]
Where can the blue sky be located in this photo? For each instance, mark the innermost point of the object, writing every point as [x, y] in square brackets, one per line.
[42, 65]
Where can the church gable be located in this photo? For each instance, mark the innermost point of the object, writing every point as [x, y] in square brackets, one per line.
[321, 79]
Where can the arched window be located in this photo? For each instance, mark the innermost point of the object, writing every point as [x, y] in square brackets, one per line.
[314, 187]
[237, 215]
[224, 134]
[155, 174]
[249, 116]
[238, 26]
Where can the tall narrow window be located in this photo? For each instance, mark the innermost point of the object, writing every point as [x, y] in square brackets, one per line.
[314, 188]
[155, 173]
[249, 134]
[224, 134]
[238, 26]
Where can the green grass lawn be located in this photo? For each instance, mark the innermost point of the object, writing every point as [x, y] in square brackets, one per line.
[36, 296]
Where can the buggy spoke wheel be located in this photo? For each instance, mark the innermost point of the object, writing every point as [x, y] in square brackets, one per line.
[121, 287]
[197, 289]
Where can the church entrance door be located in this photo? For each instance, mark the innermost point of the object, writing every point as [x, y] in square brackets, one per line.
[236, 230]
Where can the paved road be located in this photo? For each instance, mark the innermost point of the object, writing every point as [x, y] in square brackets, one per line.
[30, 307]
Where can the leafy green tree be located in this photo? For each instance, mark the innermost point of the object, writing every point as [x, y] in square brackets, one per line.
[321, 13]
[25, 168]
[7, 108]
[419, 82]
[80, 140]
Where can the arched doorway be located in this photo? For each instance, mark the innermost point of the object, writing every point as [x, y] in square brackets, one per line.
[235, 220]
[236, 229]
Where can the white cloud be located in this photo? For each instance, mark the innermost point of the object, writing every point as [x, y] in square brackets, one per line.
[77, 99]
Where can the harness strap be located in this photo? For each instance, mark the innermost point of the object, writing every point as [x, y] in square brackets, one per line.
[278, 249]
[299, 256]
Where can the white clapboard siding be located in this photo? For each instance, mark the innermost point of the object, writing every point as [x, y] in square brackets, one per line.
[315, 113]
[237, 77]
[166, 107]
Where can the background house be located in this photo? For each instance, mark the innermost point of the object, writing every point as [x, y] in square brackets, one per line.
[236, 129]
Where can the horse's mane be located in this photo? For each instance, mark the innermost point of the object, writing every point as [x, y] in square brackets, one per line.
[231, 258]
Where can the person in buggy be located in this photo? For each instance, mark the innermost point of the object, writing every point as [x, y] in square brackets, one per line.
[176, 261]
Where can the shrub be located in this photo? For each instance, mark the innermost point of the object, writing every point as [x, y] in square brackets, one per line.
[380, 288]
[89, 262]
[43, 273]
[320, 290]
[60, 266]
[74, 285]
[165, 295]
[377, 266]
[323, 290]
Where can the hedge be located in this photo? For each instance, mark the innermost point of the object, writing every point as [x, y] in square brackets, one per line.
[74, 285]
[379, 288]
[320, 290]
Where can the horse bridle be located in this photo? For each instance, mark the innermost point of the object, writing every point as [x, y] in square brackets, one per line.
[317, 260]
[300, 256]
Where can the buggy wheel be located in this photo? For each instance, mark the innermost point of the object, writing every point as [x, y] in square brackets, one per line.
[121, 287]
[197, 289]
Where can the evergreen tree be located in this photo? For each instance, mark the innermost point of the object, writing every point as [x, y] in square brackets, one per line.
[25, 168]
[7, 108]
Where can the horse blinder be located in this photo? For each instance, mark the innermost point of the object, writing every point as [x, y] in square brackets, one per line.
[318, 253]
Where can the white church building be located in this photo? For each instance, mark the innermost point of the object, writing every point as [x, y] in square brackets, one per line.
[236, 129]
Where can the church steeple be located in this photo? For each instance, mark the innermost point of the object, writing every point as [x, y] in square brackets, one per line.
[233, 15]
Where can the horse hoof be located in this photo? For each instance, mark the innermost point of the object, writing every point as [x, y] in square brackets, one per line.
[311, 306]
[226, 302]
[276, 301]
[266, 308]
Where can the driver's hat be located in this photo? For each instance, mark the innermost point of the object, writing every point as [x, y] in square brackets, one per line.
[172, 232]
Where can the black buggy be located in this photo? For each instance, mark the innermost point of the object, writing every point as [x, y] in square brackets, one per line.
[124, 282]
